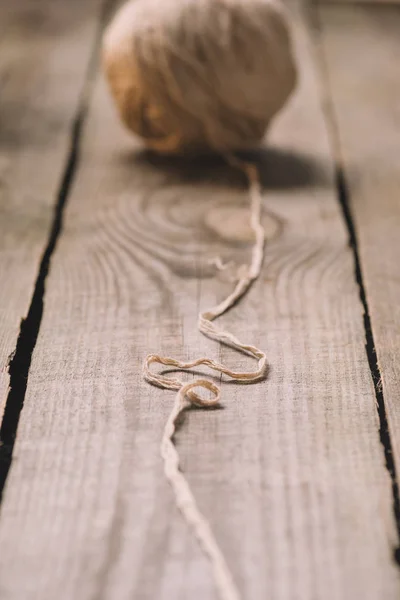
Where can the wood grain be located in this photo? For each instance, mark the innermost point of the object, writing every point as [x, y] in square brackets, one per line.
[44, 53]
[365, 89]
[290, 472]
[343, 3]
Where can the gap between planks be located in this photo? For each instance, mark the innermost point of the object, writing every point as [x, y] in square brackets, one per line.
[344, 198]
[20, 360]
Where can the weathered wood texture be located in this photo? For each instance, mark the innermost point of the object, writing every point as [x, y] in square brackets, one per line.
[291, 473]
[362, 53]
[380, 3]
[44, 52]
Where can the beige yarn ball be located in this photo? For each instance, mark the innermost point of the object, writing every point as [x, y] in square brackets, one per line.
[192, 75]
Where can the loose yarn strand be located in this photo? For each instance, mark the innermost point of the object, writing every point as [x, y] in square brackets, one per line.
[186, 502]
[186, 395]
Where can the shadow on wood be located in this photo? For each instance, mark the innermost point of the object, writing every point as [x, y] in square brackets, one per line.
[279, 168]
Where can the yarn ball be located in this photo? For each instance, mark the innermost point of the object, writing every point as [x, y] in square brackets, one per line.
[190, 75]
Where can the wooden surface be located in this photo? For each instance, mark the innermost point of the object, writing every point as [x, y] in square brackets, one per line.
[366, 90]
[380, 3]
[291, 473]
[44, 54]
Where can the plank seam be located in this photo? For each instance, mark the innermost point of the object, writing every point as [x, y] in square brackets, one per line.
[315, 29]
[20, 359]
[384, 433]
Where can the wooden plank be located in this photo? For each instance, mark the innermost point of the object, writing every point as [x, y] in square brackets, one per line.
[291, 473]
[365, 89]
[44, 53]
[381, 3]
